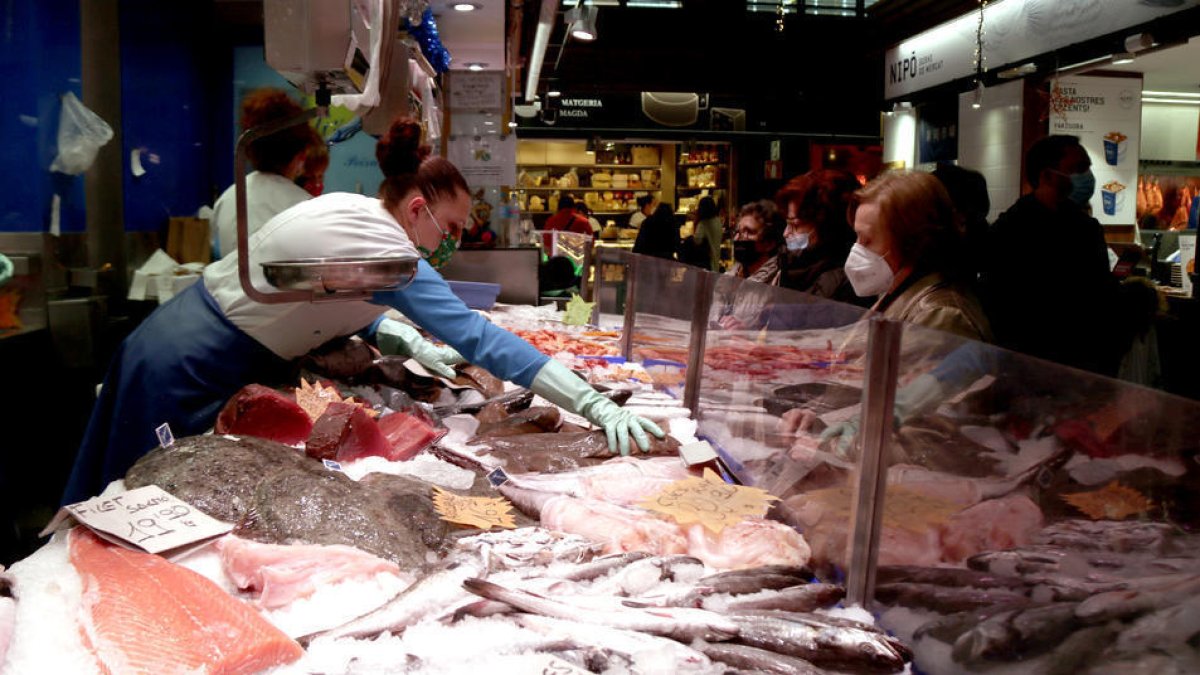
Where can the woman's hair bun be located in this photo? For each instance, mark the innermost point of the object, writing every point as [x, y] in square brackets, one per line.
[400, 150]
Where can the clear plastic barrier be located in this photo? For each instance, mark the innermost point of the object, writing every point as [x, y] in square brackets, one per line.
[1035, 518]
[1062, 503]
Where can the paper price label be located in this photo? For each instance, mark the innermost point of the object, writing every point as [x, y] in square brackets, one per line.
[709, 501]
[148, 518]
[482, 512]
[578, 312]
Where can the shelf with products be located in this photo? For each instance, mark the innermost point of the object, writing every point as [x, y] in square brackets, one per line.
[608, 177]
[551, 188]
[703, 170]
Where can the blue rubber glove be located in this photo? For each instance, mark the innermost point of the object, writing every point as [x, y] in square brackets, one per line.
[6, 269]
[394, 337]
[924, 393]
[557, 384]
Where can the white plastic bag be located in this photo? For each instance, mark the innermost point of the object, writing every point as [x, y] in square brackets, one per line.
[81, 133]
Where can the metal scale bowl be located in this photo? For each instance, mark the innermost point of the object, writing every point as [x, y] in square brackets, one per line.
[311, 279]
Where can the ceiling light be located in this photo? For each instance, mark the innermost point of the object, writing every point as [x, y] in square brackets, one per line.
[581, 22]
[1174, 101]
[476, 66]
[1139, 42]
[977, 97]
[512, 125]
[489, 123]
[1017, 71]
[554, 93]
[465, 7]
[1173, 94]
[1121, 58]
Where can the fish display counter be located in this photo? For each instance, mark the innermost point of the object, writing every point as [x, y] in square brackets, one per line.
[1030, 517]
[372, 518]
[1024, 517]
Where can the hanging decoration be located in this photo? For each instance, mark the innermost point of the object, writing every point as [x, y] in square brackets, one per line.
[425, 32]
[780, 11]
[980, 68]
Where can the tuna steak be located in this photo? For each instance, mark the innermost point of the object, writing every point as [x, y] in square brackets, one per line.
[264, 413]
[346, 432]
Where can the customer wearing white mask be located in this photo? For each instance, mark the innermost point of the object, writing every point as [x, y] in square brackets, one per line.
[818, 236]
[909, 255]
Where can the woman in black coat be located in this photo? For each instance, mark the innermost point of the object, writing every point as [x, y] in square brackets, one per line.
[659, 234]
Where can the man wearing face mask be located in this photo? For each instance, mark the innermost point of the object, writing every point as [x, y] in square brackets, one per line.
[1047, 285]
[187, 358]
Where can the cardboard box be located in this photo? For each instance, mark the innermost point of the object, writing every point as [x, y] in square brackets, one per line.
[188, 240]
[646, 154]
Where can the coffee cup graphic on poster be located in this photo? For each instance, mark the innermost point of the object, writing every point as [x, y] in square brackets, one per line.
[1114, 147]
[1112, 197]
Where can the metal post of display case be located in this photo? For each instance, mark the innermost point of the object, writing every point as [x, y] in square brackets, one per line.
[597, 284]
[701, 306]
[866, 516]
[630, 307]
[589, 273]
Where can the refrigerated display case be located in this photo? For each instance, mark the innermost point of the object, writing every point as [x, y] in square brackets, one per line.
[1016, 515]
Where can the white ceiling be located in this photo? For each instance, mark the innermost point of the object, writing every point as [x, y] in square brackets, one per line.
[1175, 69]
[472, 37]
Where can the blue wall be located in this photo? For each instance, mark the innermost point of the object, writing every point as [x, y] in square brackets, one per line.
[40, 60]
[172, 99]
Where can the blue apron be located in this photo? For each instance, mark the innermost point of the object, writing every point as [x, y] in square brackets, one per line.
[179, 366]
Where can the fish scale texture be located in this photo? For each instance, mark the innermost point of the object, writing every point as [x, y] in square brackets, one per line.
[143, 614]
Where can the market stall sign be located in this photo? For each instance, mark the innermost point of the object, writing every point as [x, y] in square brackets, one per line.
[147, 519]
[578, 312]
[482, 512]
[709, 501]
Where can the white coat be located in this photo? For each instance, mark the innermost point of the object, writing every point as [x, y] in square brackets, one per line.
[338, 224]
[267, 194]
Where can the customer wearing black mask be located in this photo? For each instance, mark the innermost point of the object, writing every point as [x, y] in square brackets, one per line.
[758, 244]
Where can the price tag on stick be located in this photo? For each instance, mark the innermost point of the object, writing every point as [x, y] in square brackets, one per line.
[709, 501]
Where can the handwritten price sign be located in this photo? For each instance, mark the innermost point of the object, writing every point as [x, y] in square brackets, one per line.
[709, 501]
[148, 518]
[482, 512]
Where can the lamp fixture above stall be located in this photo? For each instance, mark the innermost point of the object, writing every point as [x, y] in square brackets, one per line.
[581, 21]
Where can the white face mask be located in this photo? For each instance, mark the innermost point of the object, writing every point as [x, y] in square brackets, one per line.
[797, 242]
[868, 272]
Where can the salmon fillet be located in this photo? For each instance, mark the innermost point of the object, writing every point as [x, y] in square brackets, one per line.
[143, 614]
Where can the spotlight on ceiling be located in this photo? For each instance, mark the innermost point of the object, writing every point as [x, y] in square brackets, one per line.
[581, 22]
[554, 93]
[476, 66]
[464, 6]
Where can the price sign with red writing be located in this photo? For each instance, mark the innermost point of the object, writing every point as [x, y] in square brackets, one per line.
[148, 518]
[709, 501]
